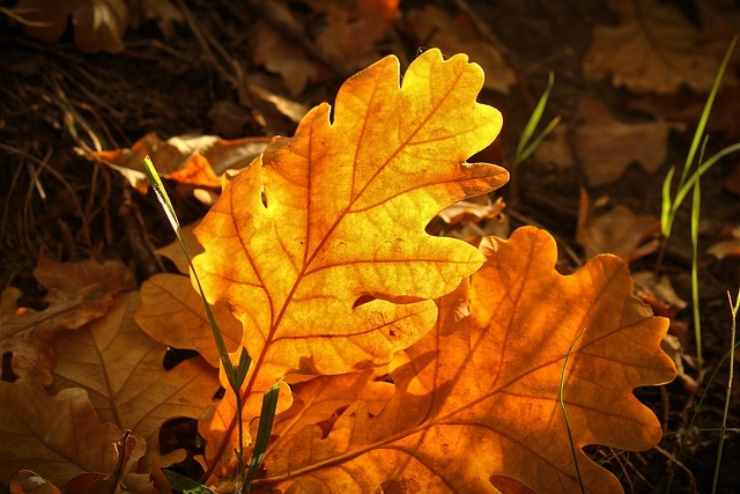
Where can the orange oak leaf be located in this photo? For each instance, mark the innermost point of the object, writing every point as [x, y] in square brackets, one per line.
[60, 437]
[77, 293]
[122, 370]
[478, 404]
[174, 253]
[172, 312]
[319, 247]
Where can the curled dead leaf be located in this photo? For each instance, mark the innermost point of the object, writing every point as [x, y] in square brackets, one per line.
[194, 160]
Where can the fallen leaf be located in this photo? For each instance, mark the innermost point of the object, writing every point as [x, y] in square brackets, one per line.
[493, 409]
[319, 247]
[122, 370]
[435, 27]
[29, 482]
[605, 146]
[194, 160]
[60, 436]
[656, 48]
[174, 252]
[280, 56]
[732, 183]
[556, 149]
[99, 25]
[727, 248]
[291, 109]
[77, 294]
[353, 30]
[172, 312]
[467, 210]
[618, 231]
[658, 293]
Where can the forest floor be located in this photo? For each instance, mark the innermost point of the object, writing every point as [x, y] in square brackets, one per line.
[212, 75]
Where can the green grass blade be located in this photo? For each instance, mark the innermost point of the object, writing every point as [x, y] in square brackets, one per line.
[264, 430]
[734, 308]
[695, 217]
[532, 147]
[161, 193]
[703, 168]
[699, 133]
[666, 208]
[164, 200]
[184, 484]
[534, 119]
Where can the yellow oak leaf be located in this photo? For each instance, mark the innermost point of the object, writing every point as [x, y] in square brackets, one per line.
[478, 406]
[77, 293]
[60, 437]
[172, 313]
[319, 246]
[122, 370]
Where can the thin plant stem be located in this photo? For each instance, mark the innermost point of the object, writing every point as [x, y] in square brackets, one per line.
[571, 442]
[734, 308]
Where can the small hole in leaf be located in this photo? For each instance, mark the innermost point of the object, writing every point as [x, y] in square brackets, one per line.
[263, 198]
[362, 300]
[173, 357]
[7, 368]
[219, 394]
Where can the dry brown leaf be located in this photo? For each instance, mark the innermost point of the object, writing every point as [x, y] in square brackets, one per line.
[475, 211]
[658, 292]
[194, 160]
[320, 247]
[605, 146]
[726, 248]
[435, 27]
[353, 30]
[618, 231]
[732, 183]
[29, 482]
[99, 25]
[656, 48]
[60, 436]
[172, 312]
[77, 293]
[174, 252]
[286, 58]
[556, 149]
[480, 397]
[122, 370]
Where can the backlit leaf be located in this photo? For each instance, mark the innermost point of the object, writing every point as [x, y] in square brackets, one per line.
[479, 398]
[319, 246]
